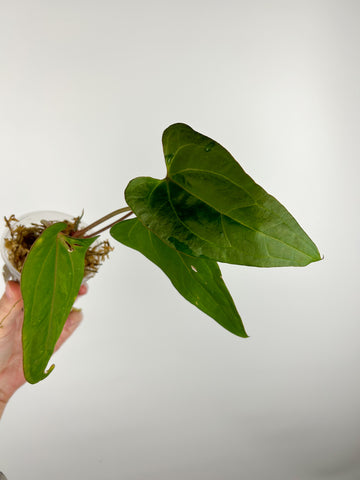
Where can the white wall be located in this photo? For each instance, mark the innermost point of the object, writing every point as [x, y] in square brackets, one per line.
[149, 387]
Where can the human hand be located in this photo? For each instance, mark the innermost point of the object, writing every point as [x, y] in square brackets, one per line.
[11, 358]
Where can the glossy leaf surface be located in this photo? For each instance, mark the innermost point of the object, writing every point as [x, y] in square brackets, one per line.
[196, 279]
[208, 206]
[50, 281]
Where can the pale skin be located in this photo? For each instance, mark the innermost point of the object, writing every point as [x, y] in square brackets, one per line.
[11, 319]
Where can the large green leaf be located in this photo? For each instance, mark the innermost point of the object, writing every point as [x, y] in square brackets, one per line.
[198, 280]
[50, 281]
[208, 206]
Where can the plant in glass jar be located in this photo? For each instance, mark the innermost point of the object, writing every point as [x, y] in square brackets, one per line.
[206, 210]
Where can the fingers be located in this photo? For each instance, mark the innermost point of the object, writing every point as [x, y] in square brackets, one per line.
[70, 326]
[12, 292]
[10, 307]
[73, 321]
[83, 289]
[11, 317]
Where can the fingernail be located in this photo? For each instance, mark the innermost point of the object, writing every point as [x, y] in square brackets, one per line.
[74, 309]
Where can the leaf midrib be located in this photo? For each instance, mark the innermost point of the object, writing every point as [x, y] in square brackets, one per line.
[168, 179]
[187, 268]
[50, 252]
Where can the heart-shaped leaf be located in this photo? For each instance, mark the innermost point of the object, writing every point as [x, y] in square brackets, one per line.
[196, 279]
[208, 206]
[50, 281]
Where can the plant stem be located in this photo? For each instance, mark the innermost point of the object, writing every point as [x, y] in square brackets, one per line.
[81, 233]
[109, 226]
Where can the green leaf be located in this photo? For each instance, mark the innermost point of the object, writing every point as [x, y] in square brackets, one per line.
[196, 279]
[208, 206]
[50, 281]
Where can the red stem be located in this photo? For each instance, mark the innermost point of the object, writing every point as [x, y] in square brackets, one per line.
[108, 226]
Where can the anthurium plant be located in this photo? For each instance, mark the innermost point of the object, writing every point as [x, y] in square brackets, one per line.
[206, 210]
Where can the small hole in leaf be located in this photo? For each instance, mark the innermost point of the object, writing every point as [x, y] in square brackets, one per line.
[192, 266]
[69, 247]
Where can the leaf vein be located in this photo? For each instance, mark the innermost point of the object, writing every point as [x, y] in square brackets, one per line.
[243, 224]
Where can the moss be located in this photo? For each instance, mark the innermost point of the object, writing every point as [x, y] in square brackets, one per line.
[22, 238]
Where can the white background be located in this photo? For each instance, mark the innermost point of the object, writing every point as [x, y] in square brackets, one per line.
[149, 387]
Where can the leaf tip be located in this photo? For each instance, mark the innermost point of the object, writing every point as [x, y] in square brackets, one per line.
[50, 369]
[33, 378]
[243, 334]
[317, 258]
[238, 330]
